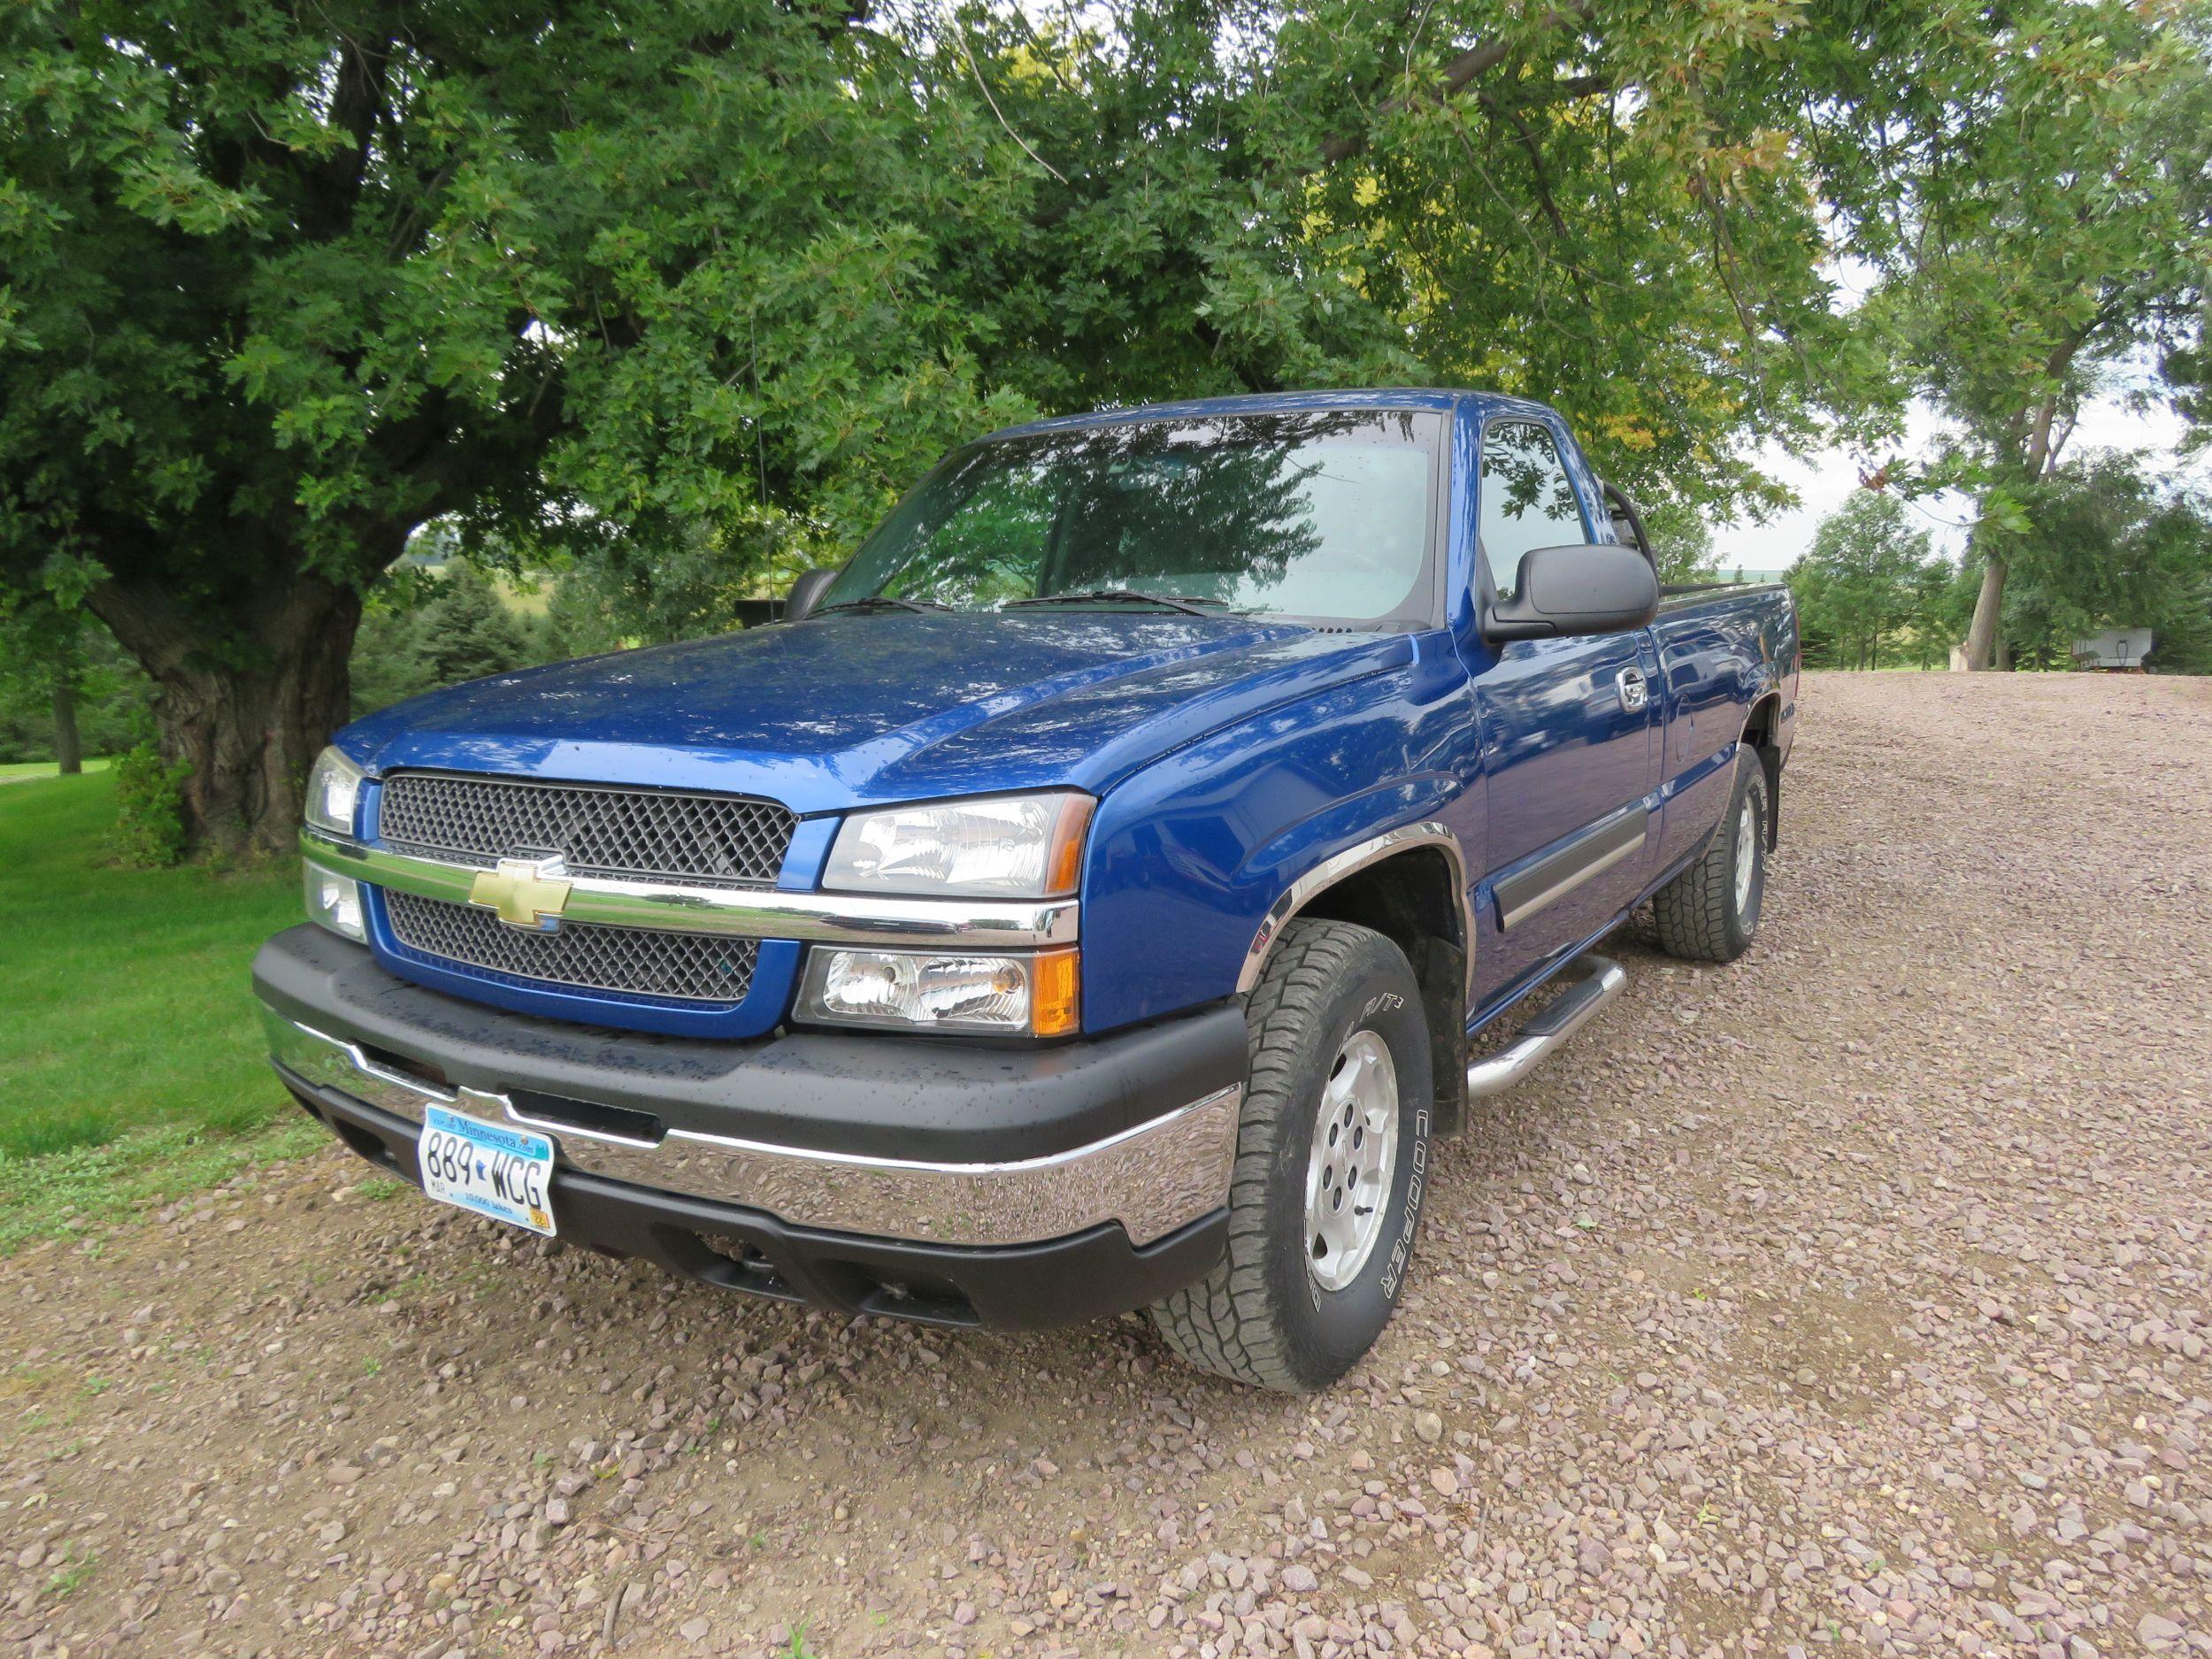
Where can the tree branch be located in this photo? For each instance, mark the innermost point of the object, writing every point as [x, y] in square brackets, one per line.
[356, 106]
[1512, 117]
[961, 34]
[1477, 60]
[2042, 453]
[1564, 89]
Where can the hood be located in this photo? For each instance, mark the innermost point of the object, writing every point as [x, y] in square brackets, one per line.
[847, 711]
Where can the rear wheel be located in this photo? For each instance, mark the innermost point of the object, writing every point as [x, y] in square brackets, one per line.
[1332, 1153]
[1709, 913]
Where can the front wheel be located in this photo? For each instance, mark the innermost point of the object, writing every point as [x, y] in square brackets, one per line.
[1332, 1155]
[1709, 913]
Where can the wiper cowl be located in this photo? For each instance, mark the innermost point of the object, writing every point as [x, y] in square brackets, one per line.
[1187, 604]
[882, 601]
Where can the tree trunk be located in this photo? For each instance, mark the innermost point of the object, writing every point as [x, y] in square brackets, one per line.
[247, 706]
[68, 752]
[1981, 634]
[1985, 648]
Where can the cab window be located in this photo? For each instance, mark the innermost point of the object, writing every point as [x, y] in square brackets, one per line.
[1526, 501]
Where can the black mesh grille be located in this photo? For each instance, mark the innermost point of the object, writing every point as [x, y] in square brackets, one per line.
[640, 961]
[719, 838]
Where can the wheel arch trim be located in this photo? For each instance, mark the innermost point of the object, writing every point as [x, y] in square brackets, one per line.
[1424, 835]
[1767, 698]
[1768, 707]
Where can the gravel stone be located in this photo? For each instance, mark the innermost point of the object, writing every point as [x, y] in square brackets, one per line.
[2156, 1632]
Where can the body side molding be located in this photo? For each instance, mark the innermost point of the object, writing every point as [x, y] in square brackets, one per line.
[1596, 849]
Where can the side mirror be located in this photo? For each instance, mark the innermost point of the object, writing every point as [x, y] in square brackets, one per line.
[1593, 590]
[806, 593]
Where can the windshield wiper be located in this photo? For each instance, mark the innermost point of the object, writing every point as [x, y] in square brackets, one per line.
[880, 602]
[1188, 606]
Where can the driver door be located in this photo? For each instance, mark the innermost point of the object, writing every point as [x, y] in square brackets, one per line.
[1568, 733]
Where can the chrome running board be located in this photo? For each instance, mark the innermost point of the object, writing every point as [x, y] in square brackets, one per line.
[1602, 980]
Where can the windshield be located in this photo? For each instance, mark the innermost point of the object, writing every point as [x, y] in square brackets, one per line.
[1324, 516]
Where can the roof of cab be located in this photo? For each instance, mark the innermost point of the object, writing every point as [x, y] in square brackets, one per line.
[1443, 400]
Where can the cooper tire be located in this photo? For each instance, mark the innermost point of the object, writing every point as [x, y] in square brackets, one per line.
[1709, 913]
[1334, 995]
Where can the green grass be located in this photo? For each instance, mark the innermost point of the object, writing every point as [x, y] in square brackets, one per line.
[45, 768]
[127, 1004]
[68, 1579]
[87, 1188]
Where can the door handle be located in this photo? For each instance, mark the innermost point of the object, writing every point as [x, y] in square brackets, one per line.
[1635, 693]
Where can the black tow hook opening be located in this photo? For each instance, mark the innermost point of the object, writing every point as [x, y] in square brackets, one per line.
[611, 1123]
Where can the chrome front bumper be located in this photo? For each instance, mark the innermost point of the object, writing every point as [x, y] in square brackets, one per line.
[1152, 1179]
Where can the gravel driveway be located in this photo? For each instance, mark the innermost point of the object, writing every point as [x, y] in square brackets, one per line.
[1851, 1298]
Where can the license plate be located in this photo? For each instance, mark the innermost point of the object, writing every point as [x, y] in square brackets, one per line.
[504, 1173]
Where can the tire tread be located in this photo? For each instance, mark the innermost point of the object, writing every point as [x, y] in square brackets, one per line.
[1693, 913]
[1223, 1323]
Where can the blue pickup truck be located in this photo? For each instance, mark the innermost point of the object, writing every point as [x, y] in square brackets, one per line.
[1094, 896]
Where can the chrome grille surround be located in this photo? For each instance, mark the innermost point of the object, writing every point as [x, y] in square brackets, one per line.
[633, 961]
[699, 907]
[599, 829]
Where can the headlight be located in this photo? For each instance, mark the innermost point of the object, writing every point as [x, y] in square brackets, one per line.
[333, 789]
[335, 902]
[1020, 996]
[1011, 847]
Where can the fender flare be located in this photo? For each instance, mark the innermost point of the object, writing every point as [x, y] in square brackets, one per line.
[1423, 835]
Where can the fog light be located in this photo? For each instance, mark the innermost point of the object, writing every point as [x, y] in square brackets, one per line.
[335, 902]
[1012, 996]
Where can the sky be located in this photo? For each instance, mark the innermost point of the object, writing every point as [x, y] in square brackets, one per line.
[1823, 482]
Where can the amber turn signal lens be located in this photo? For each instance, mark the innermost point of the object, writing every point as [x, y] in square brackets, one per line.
[1053, 1007]
[1064, 866]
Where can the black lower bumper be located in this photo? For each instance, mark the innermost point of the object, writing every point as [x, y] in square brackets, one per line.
[1089, 1275]
[957, 1184]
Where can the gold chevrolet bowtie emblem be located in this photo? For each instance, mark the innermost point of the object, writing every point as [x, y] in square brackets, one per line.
[526, 892]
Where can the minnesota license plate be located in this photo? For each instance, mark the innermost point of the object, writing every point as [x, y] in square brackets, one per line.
[490, 1168]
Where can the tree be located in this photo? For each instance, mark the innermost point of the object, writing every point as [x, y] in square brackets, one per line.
[283, 282]
[1681, 543]
[1857, 584]
[2059, 229]
[2112, 545]
[696, 584]
[43, 665]
[438, 631]
[1940, 600]
[67, 690]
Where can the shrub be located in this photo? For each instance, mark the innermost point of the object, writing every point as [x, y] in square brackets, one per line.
[149, 807]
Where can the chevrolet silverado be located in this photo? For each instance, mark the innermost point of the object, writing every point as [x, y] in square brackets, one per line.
[1087, 898]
